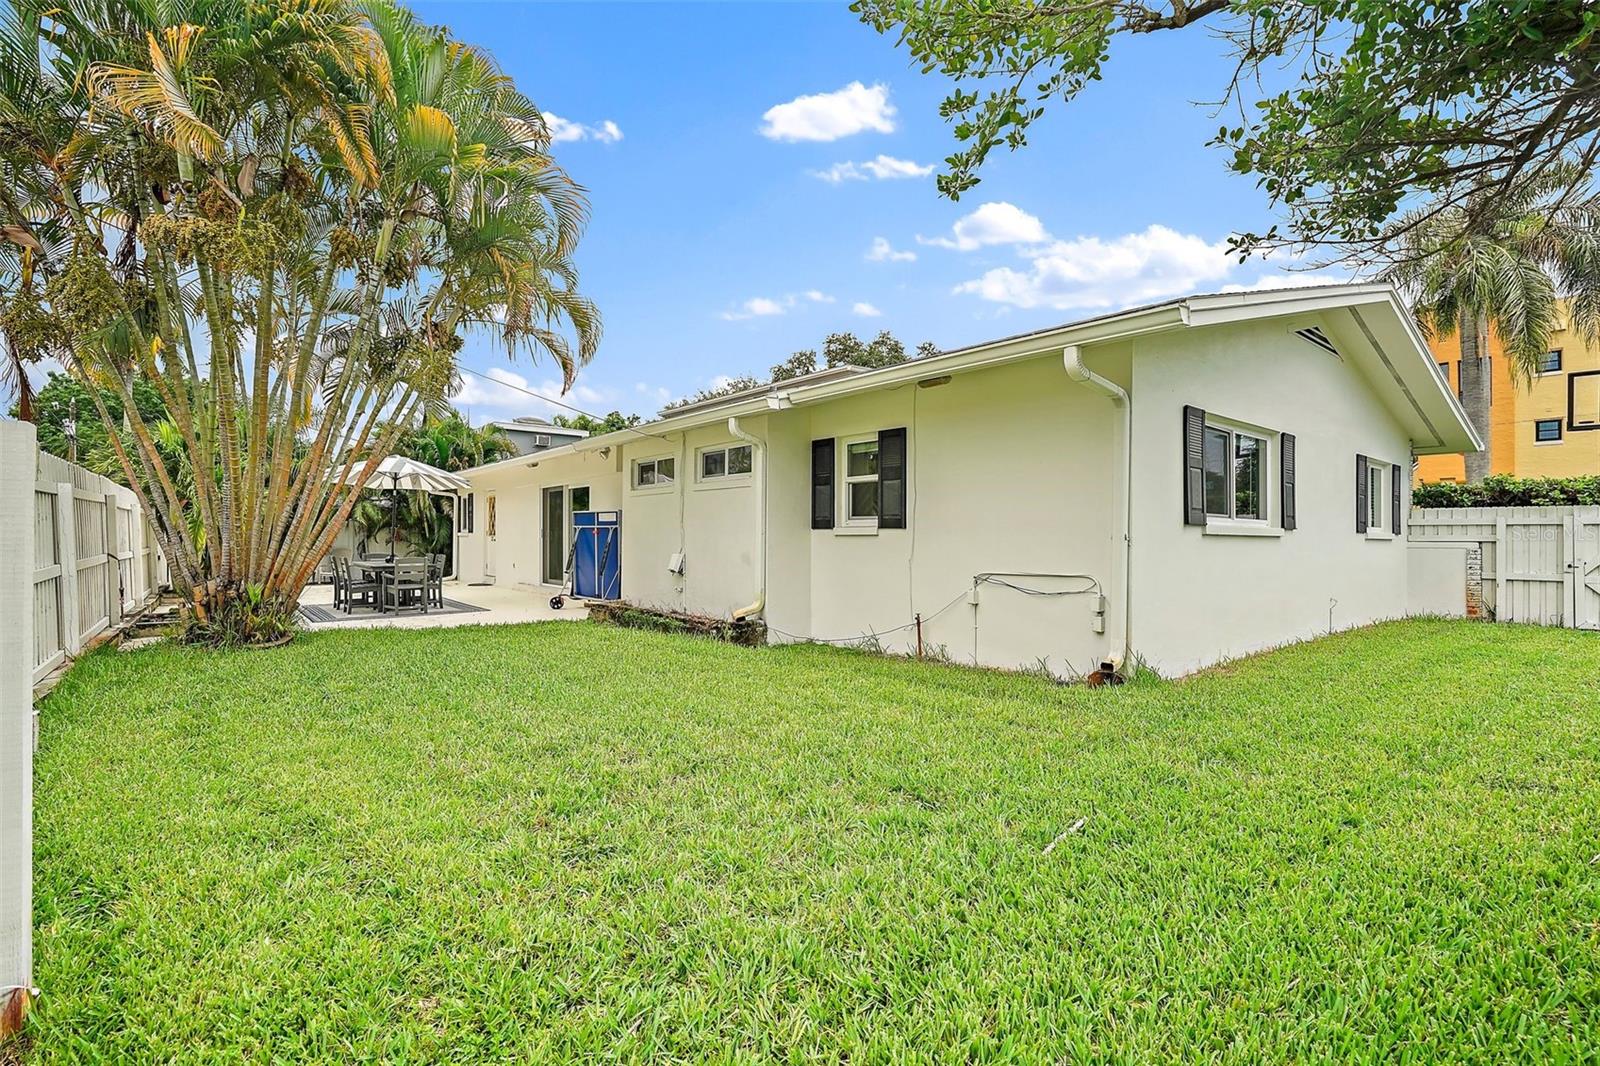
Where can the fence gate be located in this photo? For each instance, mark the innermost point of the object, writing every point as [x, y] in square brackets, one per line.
[1584, 565]
[1538, 564]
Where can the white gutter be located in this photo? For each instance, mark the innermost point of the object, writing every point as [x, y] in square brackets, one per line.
[1072, 361]
[758, 448]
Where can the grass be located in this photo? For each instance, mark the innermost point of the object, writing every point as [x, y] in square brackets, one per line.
[568, 842]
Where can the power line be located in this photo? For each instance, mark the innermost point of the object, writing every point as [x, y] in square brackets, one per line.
[554, 402]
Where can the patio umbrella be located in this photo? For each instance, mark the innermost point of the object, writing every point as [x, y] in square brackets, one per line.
[397, 472]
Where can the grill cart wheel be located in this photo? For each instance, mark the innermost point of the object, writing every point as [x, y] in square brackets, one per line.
[557, 602]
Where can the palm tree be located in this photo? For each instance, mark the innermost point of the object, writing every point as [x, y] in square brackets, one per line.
[1504, 262]
[284, 216]
[452, 443]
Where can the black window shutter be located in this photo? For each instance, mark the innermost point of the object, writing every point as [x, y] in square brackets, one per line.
[1287, 512]
[1194, 466]
[1361, 494]
[1394, 499]
[822, 484]
[892, 478]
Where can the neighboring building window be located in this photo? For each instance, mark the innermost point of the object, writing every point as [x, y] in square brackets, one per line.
[580, 499]
[861, 481]
[1444, 372]
[1235, 474]
[725, 461]
[1374, 496]
[1550, 362]
[651, 472]
[1547, 430]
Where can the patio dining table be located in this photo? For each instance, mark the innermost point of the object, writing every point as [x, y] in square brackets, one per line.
[383, 570]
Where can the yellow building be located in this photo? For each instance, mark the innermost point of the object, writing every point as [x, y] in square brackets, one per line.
[1546, 427]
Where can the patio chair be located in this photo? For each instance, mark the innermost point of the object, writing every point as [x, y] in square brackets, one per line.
[407, 586]
[362, 585]
[325, 571]
[341, 581]
[436, 581]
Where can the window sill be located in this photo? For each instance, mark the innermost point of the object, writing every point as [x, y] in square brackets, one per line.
[1224, 527]
[1547, 443]
[732, 481]
[1379, 534]
[652, 490]
[856, 531]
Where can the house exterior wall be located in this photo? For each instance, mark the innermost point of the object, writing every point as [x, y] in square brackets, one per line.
[1016, 470]
[514, 555]
[1007, 470]
[1199, 597]
[714, 523]
[1515, 407]
[1546, 397]
[1502, 412]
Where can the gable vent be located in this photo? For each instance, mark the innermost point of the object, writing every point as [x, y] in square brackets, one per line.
[1315, 335]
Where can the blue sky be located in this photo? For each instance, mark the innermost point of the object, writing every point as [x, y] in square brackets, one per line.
[760, 175]
[717, 245]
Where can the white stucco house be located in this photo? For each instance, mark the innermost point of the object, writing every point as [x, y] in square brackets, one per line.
[1181, 483]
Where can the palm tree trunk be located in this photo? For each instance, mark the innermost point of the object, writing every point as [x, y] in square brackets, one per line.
[1475, 393]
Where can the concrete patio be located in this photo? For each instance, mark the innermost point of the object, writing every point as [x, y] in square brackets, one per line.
[497, 605]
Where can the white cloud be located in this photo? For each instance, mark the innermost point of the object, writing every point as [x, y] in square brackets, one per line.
[1089, 272]
[766, 306]
[883, 168]
[659, 394]
[884, 252]
[756, 307]
[829, 116]
[996, 222]
[503, 396]
[561, 129]
[865, 310]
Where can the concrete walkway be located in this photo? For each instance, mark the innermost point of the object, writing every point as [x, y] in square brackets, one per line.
[501, 604]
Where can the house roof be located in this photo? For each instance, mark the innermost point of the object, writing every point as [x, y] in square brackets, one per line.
[1370, 326]
[537, 425]
[816, 377]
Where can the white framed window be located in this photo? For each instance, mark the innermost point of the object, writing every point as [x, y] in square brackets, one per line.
[725, 461]
[1376, 500]
[578, 499]
[654, 473]
[1235, 461]
[860, 481]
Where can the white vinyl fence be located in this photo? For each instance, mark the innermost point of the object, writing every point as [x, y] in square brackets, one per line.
[18, 469]
[95, 559]
[1519, 564]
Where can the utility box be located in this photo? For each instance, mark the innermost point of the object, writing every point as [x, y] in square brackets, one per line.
[597, 555]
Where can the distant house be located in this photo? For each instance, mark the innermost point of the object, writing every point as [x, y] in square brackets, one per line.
[1181, 483]
[531, 434]
[1548, 426]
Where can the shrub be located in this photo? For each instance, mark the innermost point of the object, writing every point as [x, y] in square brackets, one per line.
[1503, 490]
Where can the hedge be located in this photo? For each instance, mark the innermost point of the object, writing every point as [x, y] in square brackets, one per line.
[1503, 490]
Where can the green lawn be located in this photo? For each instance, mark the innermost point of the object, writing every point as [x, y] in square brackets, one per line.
[563, 842]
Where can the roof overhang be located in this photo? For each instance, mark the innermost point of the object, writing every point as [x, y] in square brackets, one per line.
[1371, 323]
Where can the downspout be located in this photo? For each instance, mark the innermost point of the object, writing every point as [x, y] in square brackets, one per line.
[1072, 361]
[758, 449]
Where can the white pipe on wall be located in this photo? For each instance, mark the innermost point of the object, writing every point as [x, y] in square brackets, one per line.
[1072, 361]
[758, 456]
